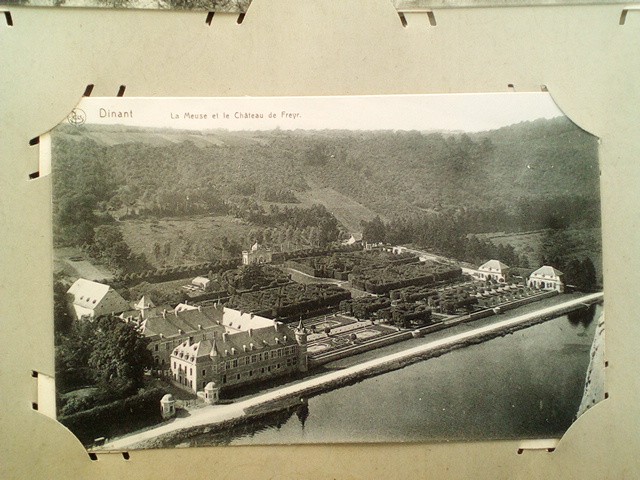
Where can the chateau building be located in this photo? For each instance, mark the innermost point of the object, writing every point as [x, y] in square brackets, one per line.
[257, 254]
[493, 270]
[232, 358]
[168, 328]
[547, 278]
[88, 299]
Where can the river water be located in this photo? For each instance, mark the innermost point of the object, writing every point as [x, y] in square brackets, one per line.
[525, 385]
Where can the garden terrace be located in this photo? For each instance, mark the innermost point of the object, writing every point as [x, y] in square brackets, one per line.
[472, 296]
[290, 301]
[167, 274]
[279, 257]
[253, 277]
[364, 307]
[383, 280]
[406, 315]
[339, 265]
[176, 291]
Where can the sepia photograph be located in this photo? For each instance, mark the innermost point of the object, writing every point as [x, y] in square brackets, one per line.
[290, 270]
[222, 6]
[241, 6]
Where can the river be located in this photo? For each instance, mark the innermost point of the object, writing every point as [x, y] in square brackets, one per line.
[525, 385]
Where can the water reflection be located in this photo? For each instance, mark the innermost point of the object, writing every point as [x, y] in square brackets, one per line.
[584, 316]
[303, 412]
[268, 422]
[525, 385]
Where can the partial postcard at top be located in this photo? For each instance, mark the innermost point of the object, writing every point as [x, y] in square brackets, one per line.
[241, 6]
[285, 270]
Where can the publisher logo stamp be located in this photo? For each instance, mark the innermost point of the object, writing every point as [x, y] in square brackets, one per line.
[77, 117]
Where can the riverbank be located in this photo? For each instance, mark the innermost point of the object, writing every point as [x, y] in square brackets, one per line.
[224, 416]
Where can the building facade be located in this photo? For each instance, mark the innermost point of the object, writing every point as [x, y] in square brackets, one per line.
[88, 299]
[493, 270]
[547, 278]
[234, 358]
[257, 254]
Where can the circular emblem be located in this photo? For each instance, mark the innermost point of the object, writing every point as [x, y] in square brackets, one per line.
[77, 117]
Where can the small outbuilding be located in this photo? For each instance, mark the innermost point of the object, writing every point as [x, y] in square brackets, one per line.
[168, 406]
[201, 282]
[211, 393]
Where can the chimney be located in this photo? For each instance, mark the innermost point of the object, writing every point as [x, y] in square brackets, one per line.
[162, 335]
[180, 332]
[225, 336]
[276, 326]
[277, 341]
[233, 351]
[244, 348]
[251, 315]
[199, 327]
[250, 331]
[251, 346]
[164, 313]
[284, 339]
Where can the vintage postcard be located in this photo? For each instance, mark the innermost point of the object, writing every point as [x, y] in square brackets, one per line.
[223, 6]
[285, 270]
[241, 6]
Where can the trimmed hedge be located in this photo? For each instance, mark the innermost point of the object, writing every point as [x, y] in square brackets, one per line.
[167, 274]
[111, 419]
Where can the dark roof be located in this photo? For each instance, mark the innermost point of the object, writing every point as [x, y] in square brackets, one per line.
[261, 338]
[169, 323]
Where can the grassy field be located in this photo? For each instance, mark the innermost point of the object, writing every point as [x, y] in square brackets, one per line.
[587, 240]
[73, 263]
[192, 240]
[348, 212]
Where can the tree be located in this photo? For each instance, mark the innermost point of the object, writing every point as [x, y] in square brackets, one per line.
[589, 274]
[109, 245]
[157, 251]
[74, 219]
[72, 356]
[62, 320]
[374, 231]
[119, 355]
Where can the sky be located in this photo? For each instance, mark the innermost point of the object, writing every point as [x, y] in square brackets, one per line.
[456, 112]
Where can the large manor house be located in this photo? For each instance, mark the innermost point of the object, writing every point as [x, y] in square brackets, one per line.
[208, 348]
[196, 345]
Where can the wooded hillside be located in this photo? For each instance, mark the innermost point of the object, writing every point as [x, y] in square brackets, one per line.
[430, 187]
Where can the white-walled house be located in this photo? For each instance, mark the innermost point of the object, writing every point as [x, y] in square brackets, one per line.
[547, 278]
[493, 270]
[88, 299]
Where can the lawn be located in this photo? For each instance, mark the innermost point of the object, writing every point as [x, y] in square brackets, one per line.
[191, 240]
[348, 212]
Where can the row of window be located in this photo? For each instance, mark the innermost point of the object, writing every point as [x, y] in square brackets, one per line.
[182, 381]
[171, 344]
[247, 360]
[260, 357]
[263, 370]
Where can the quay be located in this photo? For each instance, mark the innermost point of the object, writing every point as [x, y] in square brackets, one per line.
[217, 414]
